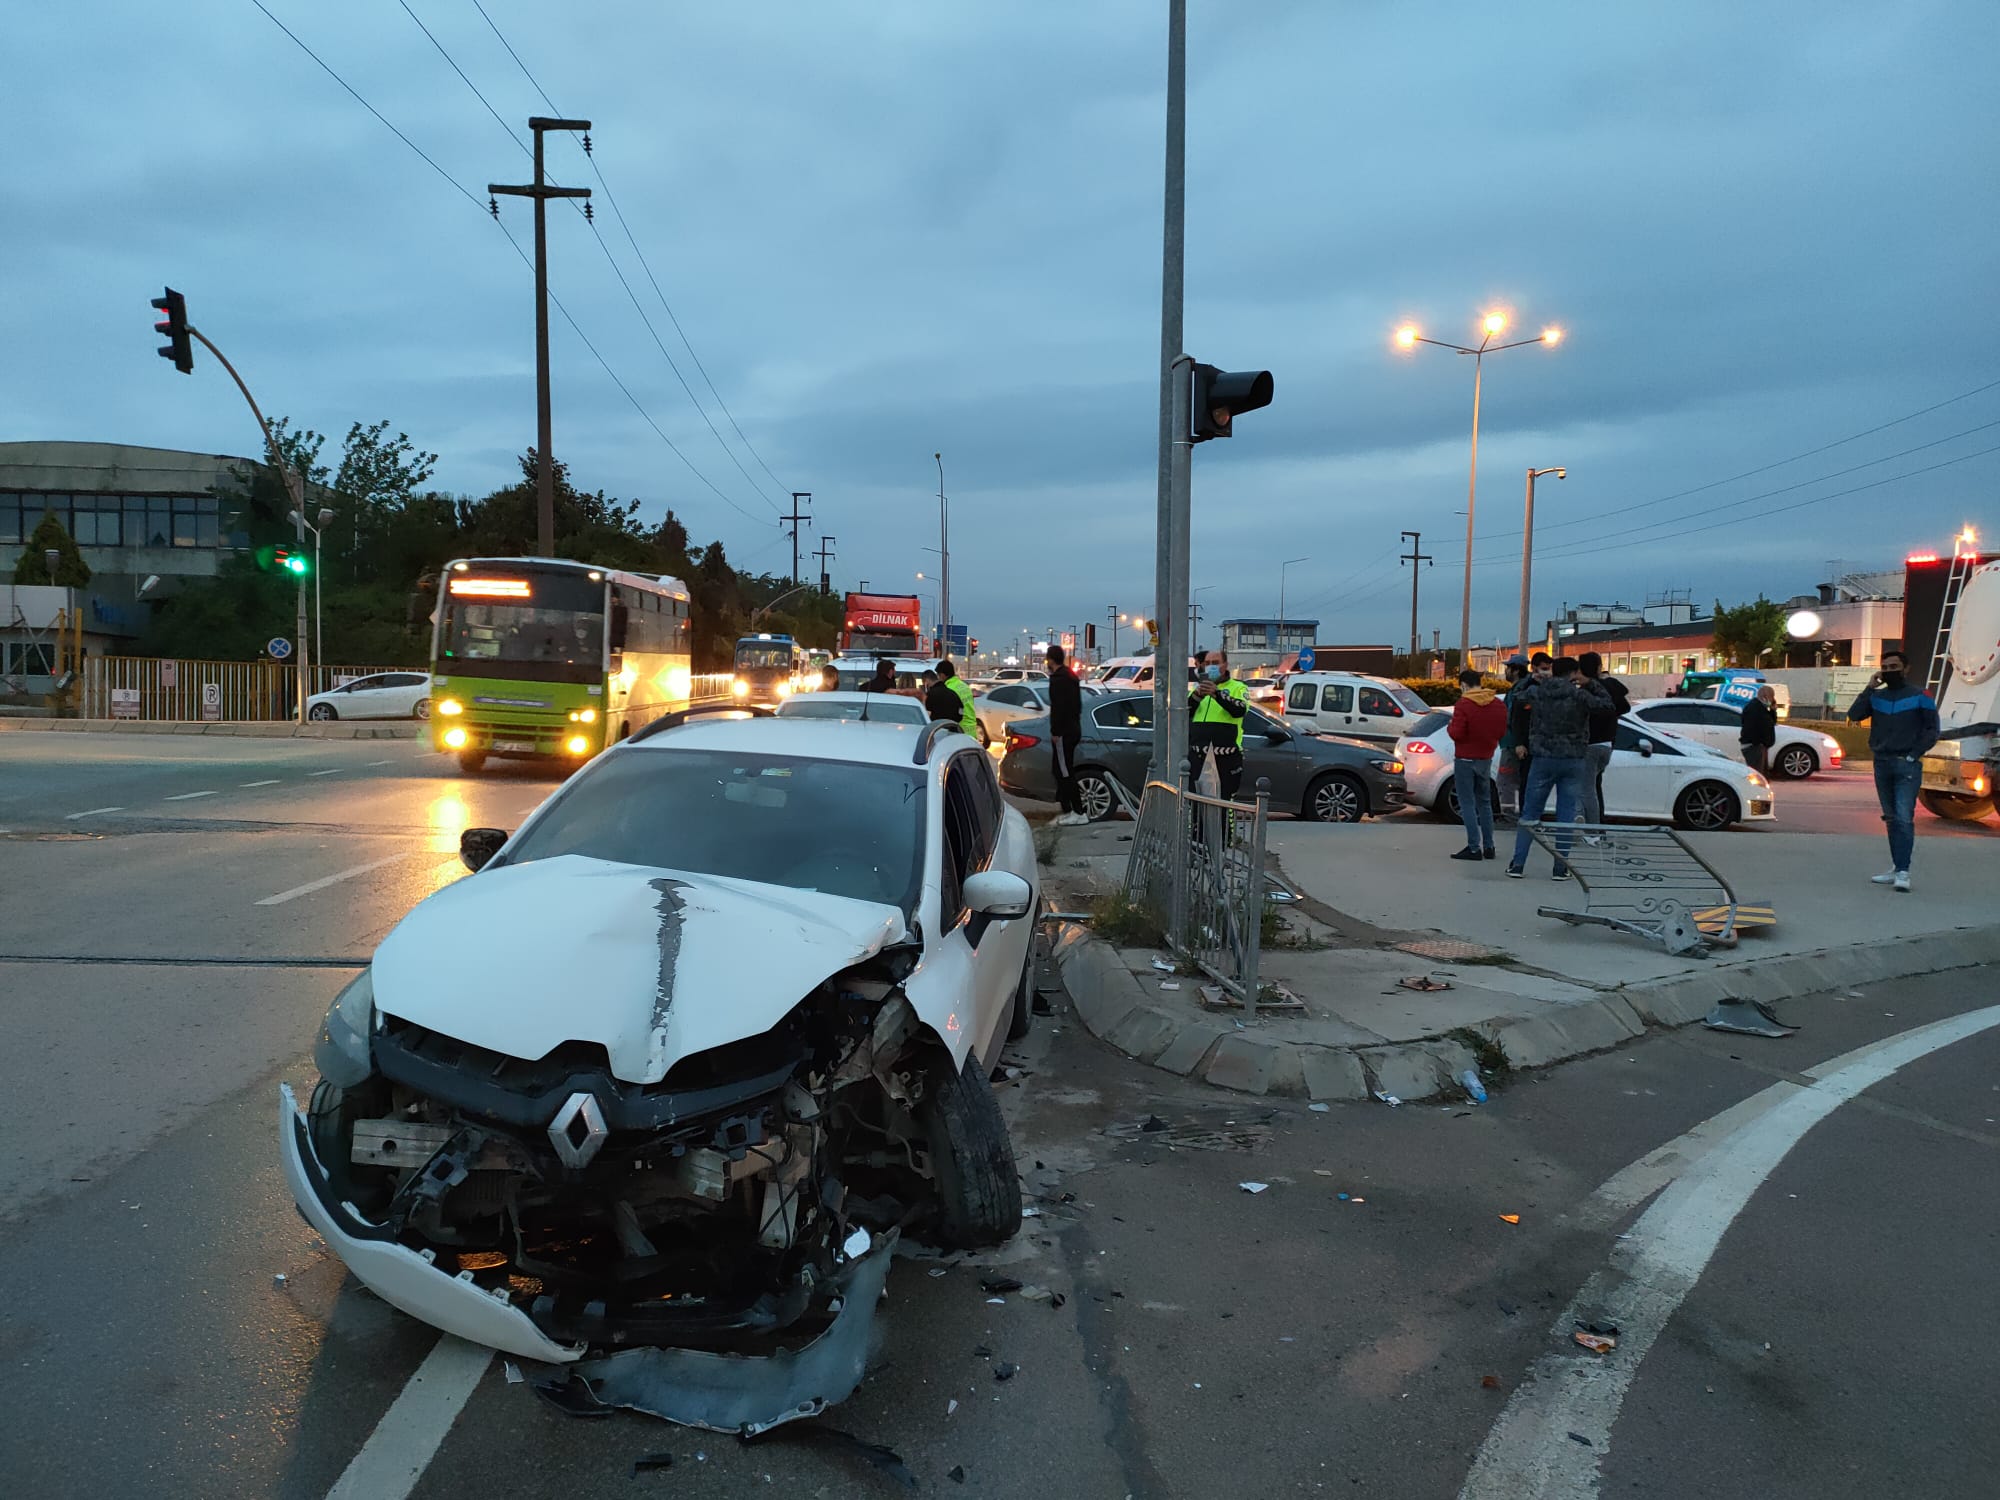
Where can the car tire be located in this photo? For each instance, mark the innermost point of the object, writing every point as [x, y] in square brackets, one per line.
[1446, 805]
[972, 1160]
[1706, 806]
[985, 739]
[1954, 808]
[422, 709]
[1335, 798]
[321, 713]
[472, 762]
[1023, 1019]
[1795, 762]
[1095, 792]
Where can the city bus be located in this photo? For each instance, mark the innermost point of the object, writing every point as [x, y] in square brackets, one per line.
[768, 668]
[540, 657]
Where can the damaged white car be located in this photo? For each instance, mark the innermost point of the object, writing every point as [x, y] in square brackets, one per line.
[674, 1068]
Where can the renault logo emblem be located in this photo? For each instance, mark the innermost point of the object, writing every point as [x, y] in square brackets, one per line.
[577, 1132]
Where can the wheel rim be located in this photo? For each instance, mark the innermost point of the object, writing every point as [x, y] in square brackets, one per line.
[321, 712]
[1708, 806]
[423, 708]
[1337, 801]
[1451, 801]
[1095, 794]
[1796, 762]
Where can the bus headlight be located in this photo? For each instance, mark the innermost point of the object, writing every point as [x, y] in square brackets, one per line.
[578, 745]
[784, 690]
[583, 716]
[454, 739]
[740, 688]
[451, 708]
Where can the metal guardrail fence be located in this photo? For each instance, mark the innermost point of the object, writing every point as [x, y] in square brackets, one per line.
[1197, 864]
[159, 687]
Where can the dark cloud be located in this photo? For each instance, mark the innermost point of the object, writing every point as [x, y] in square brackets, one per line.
[902, 228]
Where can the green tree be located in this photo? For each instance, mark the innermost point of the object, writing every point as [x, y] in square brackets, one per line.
[1747, 633]
[71, 570]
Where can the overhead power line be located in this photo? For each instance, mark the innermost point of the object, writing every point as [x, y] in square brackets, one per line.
[463, 192]
[645, 265]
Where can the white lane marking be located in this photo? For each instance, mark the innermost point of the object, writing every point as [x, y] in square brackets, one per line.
[334, 772]
[326, 880]
[381, 762]
[1626, 1189]
[93, 812]
[1529, 1452]
[272, 782]
[406, 1439]
[189, 796]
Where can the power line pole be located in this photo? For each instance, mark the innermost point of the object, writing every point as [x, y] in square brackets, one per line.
[540, 191]
[825, 556]
[1111, 613]
[944, 555]
[1169, 570]
[1416, 559]
[795, 515]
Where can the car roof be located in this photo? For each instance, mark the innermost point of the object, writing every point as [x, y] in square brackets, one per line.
[877, 742]
[904, 705]
[868, 659]
[1704, 702]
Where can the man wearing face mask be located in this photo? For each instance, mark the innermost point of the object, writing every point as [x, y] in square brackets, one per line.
[1217, 706]
[1902, 724]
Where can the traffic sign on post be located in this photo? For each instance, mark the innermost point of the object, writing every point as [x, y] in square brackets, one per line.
[1305, 658]
[279, 647]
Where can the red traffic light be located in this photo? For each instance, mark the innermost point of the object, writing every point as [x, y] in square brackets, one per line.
[1220, 396]
[174, 328]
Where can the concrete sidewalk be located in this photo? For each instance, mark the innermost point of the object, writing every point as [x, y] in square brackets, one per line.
[1384, 902]
[337, 729]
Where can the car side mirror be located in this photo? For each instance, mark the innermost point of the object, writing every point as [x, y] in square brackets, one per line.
[477, 846]
[1646, 749]
[999, 894]
[1277, 736]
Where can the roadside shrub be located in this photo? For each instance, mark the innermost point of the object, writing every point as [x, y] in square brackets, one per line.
[1125, 924]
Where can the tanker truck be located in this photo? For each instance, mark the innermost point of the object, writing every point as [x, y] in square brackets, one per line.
[1962, 671]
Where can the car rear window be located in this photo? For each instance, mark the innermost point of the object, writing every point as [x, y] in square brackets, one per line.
[1430, 724]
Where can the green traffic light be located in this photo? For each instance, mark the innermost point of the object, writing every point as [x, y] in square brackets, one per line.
[296, 565]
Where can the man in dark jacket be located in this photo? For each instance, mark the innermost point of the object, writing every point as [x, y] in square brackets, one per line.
[1902, 724]
[1603, 729]
[949, 699]
[1558, 709]
[1759, 730]
[884, 680]
[1478, 720]
[1066, 731]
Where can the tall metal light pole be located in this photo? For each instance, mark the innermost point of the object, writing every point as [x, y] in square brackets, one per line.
[1528, 551]
[1491, 327]
[1169, 690]
[944, 551]
[1111, 614]
[297, 518]
[1281, 601]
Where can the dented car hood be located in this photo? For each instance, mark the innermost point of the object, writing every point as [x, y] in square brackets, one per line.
[655, 965]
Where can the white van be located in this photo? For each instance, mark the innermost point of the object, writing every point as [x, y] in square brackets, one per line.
[1125, 672]
[1352, 704]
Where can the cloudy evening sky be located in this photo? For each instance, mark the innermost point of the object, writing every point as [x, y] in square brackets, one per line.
[912, 225]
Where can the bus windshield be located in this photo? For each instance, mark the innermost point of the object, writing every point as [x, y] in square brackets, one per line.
[763, 654]
[555, 631]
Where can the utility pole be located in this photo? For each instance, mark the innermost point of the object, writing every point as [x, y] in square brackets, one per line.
[540, 191]
[1170, 581]
[1416, 559]
[1111, 614]
[825, 556]
[944, 555]
[1528, 549]
[795, 515]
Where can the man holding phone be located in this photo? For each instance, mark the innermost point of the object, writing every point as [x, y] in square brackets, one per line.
[1902, 722]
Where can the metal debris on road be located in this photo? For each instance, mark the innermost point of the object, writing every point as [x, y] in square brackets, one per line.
[1750, 1017]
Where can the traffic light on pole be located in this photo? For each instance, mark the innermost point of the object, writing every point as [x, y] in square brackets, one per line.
[174, 329]
[1222, 395]
[285, 560]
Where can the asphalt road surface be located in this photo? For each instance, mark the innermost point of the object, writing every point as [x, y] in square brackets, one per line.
[1803, 1288]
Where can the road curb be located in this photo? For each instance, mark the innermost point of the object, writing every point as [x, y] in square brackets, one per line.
[1116, 1008]
[394, 729]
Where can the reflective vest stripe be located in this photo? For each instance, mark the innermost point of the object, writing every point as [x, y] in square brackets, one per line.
[968, 720]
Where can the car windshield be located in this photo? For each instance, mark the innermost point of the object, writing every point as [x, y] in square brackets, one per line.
[1405, 699]
[763, 654]
[553, 627]
[879, 707]
[740, 815]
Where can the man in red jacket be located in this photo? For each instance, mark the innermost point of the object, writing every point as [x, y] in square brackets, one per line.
[1478, 720]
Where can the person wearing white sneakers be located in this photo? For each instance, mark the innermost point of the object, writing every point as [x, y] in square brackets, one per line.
[1902, 724]
[1066, 731]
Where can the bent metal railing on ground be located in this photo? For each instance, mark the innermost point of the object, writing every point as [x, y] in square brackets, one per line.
[1197, 866]
[1648, 882]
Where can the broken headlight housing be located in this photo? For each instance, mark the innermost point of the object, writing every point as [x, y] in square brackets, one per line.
[342, 1051]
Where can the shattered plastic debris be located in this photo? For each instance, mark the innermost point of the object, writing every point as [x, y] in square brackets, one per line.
[279, 1279]
[1604, 1326]
[1389, 1099]
[1153, 1124]
[1031, 1212]
[647, 1462]
[1163, 966]
[1750, 1017]
[884, 1458]
[998, 1284]
[1341, 1196]
[1319, 1109]
[1037, 1294]
[1170, 984]
[1489, 1382]
[1577, 1437]
[1596, 1343]
[512, 1372]
[856, 1244]
[1253, 1187]
[1469, 1080]
[956, 1473]
[1423, 983]
[951, 1406]
[1322, 1172]
[996, 1301]
[1510, 1218]
[1005, 1371]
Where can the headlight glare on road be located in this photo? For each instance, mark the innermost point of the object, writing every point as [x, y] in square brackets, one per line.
[578, 745]
[454, 739]
[451, 708]
[341, 1053]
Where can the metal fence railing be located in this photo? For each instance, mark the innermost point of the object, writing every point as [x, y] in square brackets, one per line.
[159, 687]
[1197, 866]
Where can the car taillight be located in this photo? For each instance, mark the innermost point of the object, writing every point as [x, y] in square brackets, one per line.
[1418, 747]
[1017, 741]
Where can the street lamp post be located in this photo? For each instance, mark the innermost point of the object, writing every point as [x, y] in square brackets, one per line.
[944, 549]
[1491, 327]
[1111, 613]
[297, 518]
[1528, 550]
[1281, 601]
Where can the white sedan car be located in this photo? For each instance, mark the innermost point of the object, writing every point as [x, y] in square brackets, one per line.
[677, 1063]
[1012, 702]
[873, 708]
[1654, 777]
[386, 695]
[1798, 753]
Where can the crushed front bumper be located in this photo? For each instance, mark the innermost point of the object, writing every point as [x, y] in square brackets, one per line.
[397, 1274]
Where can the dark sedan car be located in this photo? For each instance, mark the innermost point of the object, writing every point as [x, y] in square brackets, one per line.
[1313, 776]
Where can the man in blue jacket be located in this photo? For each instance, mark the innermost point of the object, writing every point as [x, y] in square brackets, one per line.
[1902, 726]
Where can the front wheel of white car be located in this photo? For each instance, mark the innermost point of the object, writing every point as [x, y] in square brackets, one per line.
[1023, 1018]
[978, 1187]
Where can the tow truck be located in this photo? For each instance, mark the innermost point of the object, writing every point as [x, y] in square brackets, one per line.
[1957, 601]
